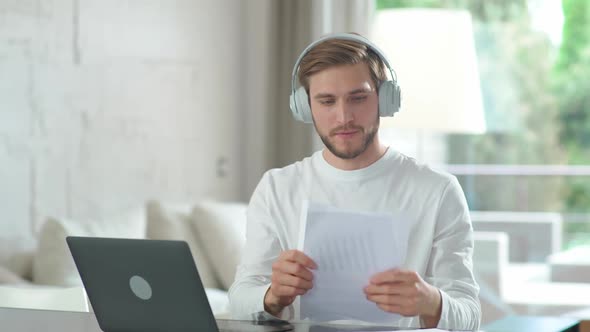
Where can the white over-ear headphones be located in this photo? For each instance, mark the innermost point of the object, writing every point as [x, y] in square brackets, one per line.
[389, 92]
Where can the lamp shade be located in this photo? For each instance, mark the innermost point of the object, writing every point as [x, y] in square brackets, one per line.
[433, 53]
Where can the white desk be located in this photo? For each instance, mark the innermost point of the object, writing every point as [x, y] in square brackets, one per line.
[27, 320]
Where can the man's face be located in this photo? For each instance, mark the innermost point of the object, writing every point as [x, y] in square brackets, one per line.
[344, 106]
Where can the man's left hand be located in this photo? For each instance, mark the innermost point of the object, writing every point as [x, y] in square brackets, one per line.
[404, 292]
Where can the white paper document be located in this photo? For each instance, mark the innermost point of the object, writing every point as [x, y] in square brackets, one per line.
[349, 247]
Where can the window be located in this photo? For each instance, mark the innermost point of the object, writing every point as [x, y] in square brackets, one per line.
[528, 174]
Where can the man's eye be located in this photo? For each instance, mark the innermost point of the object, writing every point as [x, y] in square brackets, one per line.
[359, 99]
[326, 102]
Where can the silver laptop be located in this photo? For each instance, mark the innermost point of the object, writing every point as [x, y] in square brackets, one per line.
[147, 285]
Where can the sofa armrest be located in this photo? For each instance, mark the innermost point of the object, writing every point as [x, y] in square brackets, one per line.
[533, 235]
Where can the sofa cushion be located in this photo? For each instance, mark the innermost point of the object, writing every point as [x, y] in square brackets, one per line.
[53, 263]
[173, 222]
[16, 255]
[221, 227]
[10, 277]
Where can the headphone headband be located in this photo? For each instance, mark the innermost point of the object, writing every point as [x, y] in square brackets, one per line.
[342, 36]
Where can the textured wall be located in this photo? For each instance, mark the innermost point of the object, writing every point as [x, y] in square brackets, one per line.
[107, 103]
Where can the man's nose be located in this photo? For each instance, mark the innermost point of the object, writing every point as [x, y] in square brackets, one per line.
[343, 112]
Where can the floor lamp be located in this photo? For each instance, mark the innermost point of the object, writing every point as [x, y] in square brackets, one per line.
[433, 54]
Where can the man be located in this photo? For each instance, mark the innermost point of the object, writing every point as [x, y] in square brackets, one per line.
[344, 89]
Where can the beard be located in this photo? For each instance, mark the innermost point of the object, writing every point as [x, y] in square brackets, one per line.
[350, 153]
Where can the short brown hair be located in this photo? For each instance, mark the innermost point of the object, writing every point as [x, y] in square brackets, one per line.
[334, 52]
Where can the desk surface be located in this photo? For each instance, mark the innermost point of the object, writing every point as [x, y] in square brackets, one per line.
[21, 320]
[26, 320]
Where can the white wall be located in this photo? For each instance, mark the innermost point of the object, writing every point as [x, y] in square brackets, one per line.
[107, 103]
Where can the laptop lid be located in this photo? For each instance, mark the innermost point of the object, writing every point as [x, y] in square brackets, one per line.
[142, 285]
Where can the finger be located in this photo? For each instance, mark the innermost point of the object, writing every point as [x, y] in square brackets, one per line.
[290, 280]
[395, 300]
[385, 299]
[393, 288]
[385, 276]
[394, 275]
[390, 308]
[296, 269]
[299, 257]
[282, 290]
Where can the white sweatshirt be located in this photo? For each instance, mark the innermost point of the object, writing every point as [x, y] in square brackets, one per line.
[440, 245]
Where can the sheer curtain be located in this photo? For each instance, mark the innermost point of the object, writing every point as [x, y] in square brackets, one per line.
[275, 32]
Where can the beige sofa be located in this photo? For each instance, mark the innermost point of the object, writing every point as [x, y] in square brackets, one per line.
[214, 231]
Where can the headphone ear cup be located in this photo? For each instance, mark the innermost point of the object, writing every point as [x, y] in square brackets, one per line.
[293, 106]
[300, 106]
[389, 98]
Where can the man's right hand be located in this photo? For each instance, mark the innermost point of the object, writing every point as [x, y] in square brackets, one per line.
[291, 276]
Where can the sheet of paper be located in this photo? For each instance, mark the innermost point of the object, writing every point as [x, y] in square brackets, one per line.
[349, 247]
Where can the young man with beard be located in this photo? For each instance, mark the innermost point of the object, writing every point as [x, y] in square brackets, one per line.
[344, 90]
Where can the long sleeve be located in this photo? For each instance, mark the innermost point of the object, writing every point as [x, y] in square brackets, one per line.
[450, 266]
[254, 272]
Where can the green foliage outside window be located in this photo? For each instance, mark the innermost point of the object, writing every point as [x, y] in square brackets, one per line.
[572, 88]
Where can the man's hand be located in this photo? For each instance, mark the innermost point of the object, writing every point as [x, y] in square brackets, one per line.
[404, 292]
[290, 277]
